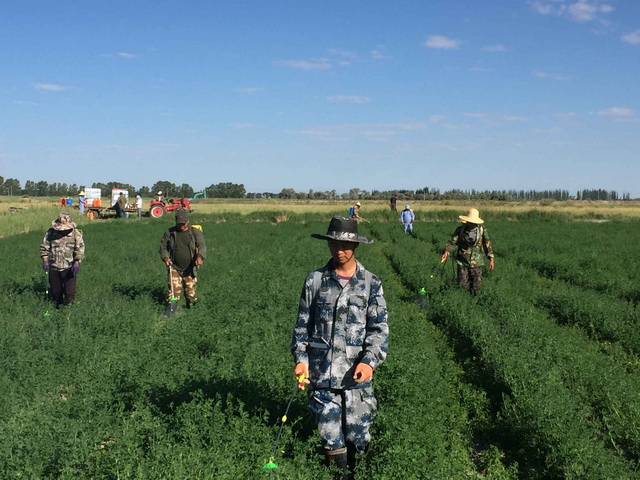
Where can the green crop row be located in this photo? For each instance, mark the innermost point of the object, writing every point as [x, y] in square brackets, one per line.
[578, 406]
[107, 389]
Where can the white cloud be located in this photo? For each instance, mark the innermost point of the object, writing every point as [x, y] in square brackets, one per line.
[480, 115]
[632, 37]
[320, 64]
[617, 112]
[338, 52]
[495, 48]
[126, 55]
[515, 118]
[482, 69]
[348, 99]
[441, 146]
[576, 10]
[566, 115]
[410, 126]
[248, 90]
[553, 76]
[378, 54]
[442, 42]
[49, 87]
[350, 131]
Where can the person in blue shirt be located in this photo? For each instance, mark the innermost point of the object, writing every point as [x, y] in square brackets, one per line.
[407, 217]
[82, 201]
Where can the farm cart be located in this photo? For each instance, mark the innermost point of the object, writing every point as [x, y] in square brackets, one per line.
[158, 209]
[94, 212]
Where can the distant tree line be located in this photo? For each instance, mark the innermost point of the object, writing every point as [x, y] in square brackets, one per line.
[12, 186]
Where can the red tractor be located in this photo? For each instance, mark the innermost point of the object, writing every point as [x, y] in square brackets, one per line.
[158, 209]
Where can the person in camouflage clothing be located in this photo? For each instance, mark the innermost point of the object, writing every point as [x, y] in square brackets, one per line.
[473, 244]
[339, 339]
[183, 250]
[62, 250]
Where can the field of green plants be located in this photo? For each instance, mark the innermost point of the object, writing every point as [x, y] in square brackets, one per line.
[535, 378]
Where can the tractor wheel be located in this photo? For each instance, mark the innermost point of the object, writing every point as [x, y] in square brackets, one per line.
[156, 211]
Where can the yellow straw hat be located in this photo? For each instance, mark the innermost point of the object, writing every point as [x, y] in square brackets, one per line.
[473, 216]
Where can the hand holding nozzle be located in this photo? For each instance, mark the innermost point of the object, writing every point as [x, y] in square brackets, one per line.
[302, 374]
[363, 373]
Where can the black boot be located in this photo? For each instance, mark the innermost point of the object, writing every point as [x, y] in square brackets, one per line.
[338, 458]
[354, 457]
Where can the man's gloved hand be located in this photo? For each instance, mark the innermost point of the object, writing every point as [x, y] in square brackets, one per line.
[363, 373]
[76, 268]
[45, 266]
[302, 369]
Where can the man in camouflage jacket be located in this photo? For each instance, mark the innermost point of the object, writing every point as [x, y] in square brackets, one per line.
[340, 337]
[62, 250]
[473, 244]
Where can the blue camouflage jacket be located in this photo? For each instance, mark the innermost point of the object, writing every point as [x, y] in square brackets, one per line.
[337, 327]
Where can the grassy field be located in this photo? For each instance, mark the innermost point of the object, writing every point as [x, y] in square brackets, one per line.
[21, 215]
[536, 378]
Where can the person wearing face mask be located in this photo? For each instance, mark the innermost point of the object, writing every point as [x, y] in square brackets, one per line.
[62, 250]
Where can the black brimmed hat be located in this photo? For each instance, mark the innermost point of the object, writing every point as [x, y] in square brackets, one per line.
[343, 229]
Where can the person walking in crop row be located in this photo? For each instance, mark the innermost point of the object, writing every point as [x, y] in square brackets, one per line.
[472, 242]
[340, 337]
[407, 217]
[183, 250]
[62, 250]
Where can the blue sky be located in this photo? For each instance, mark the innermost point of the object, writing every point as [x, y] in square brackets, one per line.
[322, 95]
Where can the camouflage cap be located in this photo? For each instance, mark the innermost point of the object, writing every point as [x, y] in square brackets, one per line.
[343, 229]
[63, 222]
[182, 216]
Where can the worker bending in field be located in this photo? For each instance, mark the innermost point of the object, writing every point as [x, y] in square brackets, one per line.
[62, 250]
[472, 242]
[183, 250]
[340, 337]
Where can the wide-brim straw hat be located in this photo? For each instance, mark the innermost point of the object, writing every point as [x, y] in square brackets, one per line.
[81, 193]
[343, 229]
[63, 222]
[473, 216]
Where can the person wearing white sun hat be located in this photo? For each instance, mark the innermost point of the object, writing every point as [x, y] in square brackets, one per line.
[407, 217]
[473, 243]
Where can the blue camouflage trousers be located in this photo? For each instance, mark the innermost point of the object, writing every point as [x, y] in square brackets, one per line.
[343, 416]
